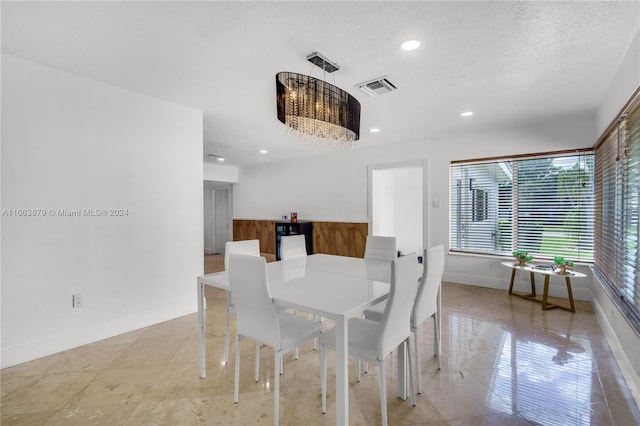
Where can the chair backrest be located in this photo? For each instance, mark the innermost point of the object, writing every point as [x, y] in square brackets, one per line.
[256, 314]
[395, 326]
[293, 246]
[380, 248]
[427, 298]
[250, 247]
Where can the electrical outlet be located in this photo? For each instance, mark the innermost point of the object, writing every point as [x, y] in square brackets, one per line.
[76, 300]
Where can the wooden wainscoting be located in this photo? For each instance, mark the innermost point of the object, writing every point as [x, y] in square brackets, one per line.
[263, 230]
[341, 238]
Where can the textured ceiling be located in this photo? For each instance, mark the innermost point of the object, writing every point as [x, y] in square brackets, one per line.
[509, 62]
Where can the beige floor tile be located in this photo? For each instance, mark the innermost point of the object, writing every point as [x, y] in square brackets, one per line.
[43, 393]
[117, 386]
[37, 418]
[84, 416]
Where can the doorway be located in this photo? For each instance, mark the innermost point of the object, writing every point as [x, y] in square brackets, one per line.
[217, 216]
[397, 196]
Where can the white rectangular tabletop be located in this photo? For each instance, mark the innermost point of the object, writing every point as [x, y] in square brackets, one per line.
[313, 283]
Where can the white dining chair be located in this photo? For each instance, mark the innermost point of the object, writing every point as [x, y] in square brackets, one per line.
[427, 305]
[252, 248]
[258, 319]
[249, 247]
[372, 341]
[293, 246]
[380, 248]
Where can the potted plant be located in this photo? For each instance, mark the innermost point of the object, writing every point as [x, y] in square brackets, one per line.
[562, 264]
[522, 256]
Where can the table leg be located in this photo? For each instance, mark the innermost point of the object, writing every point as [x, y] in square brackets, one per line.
[545, 294]
[570, 292]
[402, 371]
[533, 283]
[201, 332]
[342, 371]
[513, 276]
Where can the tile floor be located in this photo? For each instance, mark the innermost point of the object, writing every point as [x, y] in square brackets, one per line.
[505, 362]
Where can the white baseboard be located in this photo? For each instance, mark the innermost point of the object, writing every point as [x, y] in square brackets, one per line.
[626, 368]
[555, 289]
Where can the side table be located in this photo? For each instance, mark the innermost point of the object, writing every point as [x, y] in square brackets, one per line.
[547, 272]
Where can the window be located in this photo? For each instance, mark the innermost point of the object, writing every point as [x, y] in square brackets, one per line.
[617, 219]
[540, 203]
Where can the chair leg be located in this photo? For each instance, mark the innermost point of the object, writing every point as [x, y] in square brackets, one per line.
[358, 369]
[323, 377]
[436, 338]
[257, 362]
[315, 339]
[416, 344]
[276, 389]
[383, 394]
[236, 376]
[295, 353]
[226, 336]
[411, 381]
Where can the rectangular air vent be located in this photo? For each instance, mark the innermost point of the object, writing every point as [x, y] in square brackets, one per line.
[377, 86]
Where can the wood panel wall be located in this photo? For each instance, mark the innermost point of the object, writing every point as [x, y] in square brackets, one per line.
[341, 238]
[263, 230]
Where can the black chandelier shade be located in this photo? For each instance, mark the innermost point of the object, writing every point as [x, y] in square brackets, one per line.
[316, 109]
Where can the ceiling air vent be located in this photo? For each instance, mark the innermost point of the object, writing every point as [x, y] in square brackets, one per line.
[377, 86]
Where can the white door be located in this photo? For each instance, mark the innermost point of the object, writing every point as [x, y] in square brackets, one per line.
[221, 218]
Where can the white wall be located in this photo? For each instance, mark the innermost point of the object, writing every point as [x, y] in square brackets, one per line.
[382, 203]
[332, 187]
[73, 143]
[220, 173]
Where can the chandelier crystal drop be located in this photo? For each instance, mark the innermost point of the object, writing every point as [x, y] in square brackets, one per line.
[316, 111]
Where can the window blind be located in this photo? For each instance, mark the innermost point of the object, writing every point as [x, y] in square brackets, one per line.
[617, 222]
[540, 203]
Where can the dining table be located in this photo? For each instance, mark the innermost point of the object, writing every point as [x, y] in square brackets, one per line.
[329, 286]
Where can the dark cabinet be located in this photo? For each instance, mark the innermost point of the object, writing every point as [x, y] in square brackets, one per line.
[289, 228]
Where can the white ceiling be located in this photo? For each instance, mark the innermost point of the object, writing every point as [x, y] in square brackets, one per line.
[509, 62]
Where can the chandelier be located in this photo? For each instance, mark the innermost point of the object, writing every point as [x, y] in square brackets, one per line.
[316, 111]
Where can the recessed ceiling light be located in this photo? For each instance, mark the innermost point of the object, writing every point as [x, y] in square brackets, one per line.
[467, 114]
[220, 158]
[374, 130]
[264, 151]
[410, 45]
